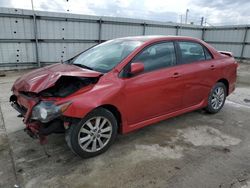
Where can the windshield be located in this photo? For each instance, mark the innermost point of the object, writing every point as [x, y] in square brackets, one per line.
[106, 56]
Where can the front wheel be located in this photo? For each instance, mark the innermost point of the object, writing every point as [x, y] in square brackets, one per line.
[94, 134]
[216, 98]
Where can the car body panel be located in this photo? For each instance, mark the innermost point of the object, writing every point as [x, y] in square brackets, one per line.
[140, 100]
[152, 94]
[197, 80]
[43, 78]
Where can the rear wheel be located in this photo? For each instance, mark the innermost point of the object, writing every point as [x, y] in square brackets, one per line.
[94, 134]
[216, 98]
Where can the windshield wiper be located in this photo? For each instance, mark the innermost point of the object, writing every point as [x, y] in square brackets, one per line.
[83, 66]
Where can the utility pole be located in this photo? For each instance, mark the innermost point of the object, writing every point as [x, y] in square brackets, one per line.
[35, 35]
[179, 33]
[186, 19]
[32, 6]
[202, 20]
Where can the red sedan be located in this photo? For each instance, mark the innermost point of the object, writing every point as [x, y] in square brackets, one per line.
[122, 85]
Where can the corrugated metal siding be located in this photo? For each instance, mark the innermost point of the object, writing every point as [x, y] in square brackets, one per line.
[236, 48]
[247, 51]
[17, 52]
[150, 30]
[234, 35]
[16, 28]
[191, 33]
[48, 29]
[248, 36]
[54, 52]
[61, 35]
[110, 31]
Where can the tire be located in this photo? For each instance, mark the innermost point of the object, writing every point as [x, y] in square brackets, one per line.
[216, 98]
[93, 135]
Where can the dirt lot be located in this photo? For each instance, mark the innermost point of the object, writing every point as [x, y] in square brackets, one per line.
[192, 150]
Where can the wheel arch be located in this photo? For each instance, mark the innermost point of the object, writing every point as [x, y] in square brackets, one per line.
[115, 111]
[225, 82]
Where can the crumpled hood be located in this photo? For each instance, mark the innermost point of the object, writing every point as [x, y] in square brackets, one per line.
[43, 78]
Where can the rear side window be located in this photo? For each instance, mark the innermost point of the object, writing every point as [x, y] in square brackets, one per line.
[191, 52]
[157, 56]
[207, 54]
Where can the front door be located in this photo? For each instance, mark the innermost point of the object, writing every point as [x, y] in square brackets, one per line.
[157, 90]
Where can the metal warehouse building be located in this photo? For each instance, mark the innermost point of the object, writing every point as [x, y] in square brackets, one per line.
[28, 41]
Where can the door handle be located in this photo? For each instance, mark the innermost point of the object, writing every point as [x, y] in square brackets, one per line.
[212, 67]
[176, 75]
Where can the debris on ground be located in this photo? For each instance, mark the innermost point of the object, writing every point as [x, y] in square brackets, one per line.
[226, 150]
[2, 74]
[247, 100]
[177, 168]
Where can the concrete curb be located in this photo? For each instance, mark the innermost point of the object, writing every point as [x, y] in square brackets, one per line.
[2, 74]
[243, 77]
[243, 73]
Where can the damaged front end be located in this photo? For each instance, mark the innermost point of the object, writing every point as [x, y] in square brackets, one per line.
[42, 112]
[67, 85]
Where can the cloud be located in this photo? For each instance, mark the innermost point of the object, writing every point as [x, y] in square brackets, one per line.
[53, 5]
[5, 3]
[133, 9]
[221, 4]
[216, 12]
[224, 12]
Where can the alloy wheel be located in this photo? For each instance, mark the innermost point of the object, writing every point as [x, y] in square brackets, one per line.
[94, 134]
[218, 98]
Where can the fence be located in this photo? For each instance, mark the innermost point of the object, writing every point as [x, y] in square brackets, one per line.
[28, 40]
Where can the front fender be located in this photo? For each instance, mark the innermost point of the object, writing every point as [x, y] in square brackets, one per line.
[104, 92]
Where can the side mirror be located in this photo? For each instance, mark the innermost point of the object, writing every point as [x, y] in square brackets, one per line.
[136, 68]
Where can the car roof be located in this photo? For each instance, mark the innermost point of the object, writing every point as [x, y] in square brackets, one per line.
[148, 38]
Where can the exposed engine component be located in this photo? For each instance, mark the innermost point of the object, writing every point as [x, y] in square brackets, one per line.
[67, 85]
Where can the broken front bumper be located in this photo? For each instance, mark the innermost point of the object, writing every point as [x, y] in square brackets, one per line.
[35, 129]
[23, 104]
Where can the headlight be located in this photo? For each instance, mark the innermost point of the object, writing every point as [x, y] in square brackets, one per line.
[43, 113]
[46, 111]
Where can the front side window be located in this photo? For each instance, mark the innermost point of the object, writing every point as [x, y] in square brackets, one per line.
[157, 56]
[106, 56]
[191, 52]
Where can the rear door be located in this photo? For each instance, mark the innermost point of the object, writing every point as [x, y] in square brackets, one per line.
[157, 90]
[198, 70]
